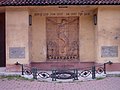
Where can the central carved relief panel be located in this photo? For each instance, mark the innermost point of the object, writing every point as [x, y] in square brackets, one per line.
[62, 38]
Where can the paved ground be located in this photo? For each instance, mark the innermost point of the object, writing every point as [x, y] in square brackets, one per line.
[109, 83]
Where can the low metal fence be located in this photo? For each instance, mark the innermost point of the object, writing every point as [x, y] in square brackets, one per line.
[64, 73]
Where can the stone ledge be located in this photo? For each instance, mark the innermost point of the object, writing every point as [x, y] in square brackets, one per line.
[113, 74]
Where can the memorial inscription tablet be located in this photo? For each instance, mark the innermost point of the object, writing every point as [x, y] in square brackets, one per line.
[109, 51]
[17, 52]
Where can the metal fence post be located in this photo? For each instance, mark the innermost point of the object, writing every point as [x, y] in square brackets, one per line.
[34, 71]
[54, 75]
[75, 74]
[104, 68]
[22, 70]
[93, 72]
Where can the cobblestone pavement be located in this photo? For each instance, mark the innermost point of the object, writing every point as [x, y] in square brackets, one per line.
[109, 83]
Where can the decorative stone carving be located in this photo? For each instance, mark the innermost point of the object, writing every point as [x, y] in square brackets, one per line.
[62, 38]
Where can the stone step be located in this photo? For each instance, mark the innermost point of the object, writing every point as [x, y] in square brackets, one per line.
[2, 69]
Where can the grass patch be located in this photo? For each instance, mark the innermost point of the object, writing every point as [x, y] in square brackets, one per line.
[10, 77]
[117, 75]
[14, 77]
[60, 82]
[99, 78]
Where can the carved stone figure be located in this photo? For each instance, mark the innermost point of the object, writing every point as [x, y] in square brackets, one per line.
[64, 33]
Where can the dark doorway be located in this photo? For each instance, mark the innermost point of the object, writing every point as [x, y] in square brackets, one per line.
[2, 40]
